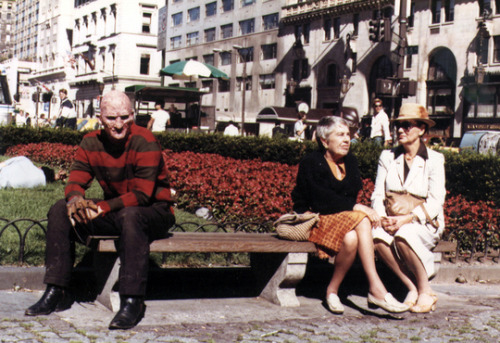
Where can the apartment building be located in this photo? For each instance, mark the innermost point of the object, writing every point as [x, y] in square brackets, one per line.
[26, 29]
[7, 14]
[240, 37]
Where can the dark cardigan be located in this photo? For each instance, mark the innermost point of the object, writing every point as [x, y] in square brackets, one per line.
[317, 190]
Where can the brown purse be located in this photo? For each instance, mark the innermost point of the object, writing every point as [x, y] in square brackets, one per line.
[402, 203]
[296, 227]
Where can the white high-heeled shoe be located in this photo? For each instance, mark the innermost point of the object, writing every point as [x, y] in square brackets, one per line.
[334, 303]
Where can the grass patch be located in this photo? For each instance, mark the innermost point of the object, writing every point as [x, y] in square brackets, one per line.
[34, 203]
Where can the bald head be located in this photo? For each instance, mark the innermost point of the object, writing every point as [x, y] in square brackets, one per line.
[116, 116]
[114, 101]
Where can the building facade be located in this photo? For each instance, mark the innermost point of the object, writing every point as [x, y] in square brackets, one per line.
[26, 29]
[239, 37]
[7, 15]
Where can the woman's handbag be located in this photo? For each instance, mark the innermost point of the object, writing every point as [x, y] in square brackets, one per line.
[296, 227]
[402, 203]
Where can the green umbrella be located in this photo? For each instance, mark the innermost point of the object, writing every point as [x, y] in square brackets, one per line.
[192, 70]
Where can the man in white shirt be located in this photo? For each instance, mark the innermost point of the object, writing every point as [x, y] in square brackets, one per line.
[300, 126]
[380, 131]
[231, 129]
[159, 119]
[67, 113]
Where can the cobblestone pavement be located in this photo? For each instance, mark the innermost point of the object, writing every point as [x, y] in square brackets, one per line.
[465, 313]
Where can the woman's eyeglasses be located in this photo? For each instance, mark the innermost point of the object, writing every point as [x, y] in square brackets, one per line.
[405, 125]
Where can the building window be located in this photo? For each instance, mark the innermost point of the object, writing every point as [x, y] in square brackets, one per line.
[303, 31]
[177, 19]
[484, 7]
[211, 9]
[225, 58]
[497, 6]
[436, 11]
[192, 38]
[247, 26]
[482, 49]
[331, 76]
[355, 24]
[247, 2]
[210, 34]
[267, 81]
[248, 83]
[193, 14]
[269, 51]
[192, 58]
[270, 21]
[245, 55]
[411, 17]
[145, 64]
[209, 59]
[449, 10]
[496, 49]
[226, 31]
[327, 28]
[227, 5]
[175, 42]
[208, 85]
[336, 28]
[300, 69]
[441, 83]
[146, 22]
[224, 85]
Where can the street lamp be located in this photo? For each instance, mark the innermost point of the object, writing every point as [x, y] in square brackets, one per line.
[244, 57]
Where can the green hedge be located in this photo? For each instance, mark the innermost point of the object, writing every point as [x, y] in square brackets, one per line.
[473, 175]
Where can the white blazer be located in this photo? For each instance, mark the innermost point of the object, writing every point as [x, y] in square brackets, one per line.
[426, 179]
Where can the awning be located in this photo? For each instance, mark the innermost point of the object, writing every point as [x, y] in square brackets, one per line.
[284, 114]
[166, 94]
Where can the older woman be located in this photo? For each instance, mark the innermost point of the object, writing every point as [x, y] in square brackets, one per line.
[404, 242]
[328, 182]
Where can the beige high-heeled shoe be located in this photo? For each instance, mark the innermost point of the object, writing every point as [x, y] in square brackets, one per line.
[428, 306]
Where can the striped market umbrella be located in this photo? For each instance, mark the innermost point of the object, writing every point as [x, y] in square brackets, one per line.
[192, 70]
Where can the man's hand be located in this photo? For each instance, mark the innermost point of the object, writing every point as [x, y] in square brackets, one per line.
[82, 211]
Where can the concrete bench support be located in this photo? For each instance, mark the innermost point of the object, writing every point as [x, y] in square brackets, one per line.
[280, 288]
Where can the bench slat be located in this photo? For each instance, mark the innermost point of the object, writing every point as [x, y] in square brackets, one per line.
[445, 246]
[220, 242]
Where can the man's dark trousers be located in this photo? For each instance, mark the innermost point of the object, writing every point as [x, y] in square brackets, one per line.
[136, 226]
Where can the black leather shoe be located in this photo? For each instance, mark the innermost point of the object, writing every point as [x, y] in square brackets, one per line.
[48, 303]
[131, 312]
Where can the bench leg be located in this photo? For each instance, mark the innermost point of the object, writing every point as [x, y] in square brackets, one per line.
[282, 272]
[107, 267]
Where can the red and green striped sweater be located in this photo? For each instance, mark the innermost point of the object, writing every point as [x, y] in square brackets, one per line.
[130, 175]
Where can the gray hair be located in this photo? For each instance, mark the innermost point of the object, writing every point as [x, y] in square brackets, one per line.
[327, 125]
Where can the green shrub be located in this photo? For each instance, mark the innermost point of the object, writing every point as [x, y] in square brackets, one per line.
[12, 135]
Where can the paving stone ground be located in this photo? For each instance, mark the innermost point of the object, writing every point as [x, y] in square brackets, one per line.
[465, 313]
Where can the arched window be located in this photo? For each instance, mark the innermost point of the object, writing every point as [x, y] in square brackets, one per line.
[441, 83]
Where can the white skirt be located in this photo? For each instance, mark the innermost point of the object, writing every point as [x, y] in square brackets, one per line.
[421, 238]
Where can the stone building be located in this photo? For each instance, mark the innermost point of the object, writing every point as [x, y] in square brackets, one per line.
[7, 15]
[240, 37]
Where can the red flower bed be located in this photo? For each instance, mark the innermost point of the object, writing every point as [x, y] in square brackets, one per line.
[232, 189]
[53, 154]
[255, 190]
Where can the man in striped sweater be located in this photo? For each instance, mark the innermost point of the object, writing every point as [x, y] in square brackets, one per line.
[127, 162]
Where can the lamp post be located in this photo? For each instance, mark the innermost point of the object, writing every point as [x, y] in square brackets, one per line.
[244, 57]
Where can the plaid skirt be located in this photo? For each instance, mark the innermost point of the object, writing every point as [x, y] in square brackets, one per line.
[329, 234]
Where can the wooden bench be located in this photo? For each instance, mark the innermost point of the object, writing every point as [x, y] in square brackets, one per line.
[280, 263]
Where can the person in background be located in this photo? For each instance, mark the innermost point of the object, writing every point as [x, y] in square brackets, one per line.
[127, 161]
[42, 121]
[299, 129]
[67, 114]
[278, 131]
[159, 119]
[20, 119]
[404, 242]
[231, 129]
[380, 131]
[328, 183]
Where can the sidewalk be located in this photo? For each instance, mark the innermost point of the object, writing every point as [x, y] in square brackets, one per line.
[195, 312]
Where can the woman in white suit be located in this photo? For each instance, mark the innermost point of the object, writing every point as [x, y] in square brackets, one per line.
[404, 242]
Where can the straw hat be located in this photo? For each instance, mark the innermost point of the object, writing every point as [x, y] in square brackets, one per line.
[411, 111]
